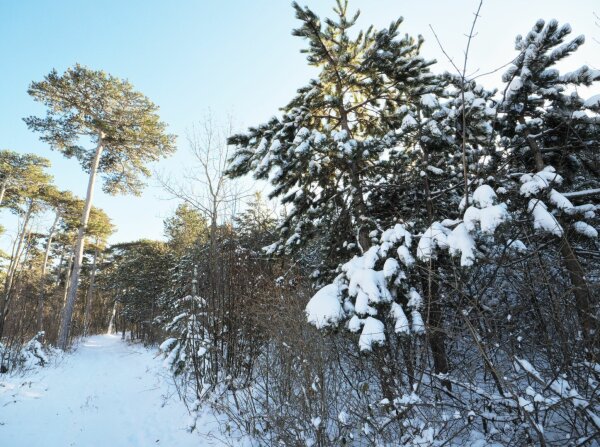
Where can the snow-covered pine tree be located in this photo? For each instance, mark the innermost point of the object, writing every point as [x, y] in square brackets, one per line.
[551, 133]
[188, 341]
[421, 185]
[323, 154]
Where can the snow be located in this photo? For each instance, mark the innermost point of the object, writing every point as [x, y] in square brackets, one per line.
[492, 216]
[369, 287]
[108, 393]
[418, 327]
[559, 201]
[434, 170]
[588, 210]
[396, 234]
[586, 192]
[324, 308]
[397, 313]
[408, 123]
[429, 101]
[405, 257]
[316, 422]
[514, 87]
[484, 196]
[338, 136]
[435, 236]
[415, 301]
[461, 242]
[372, 334]
[585, 229]
[390, 268]
[533, 184]
[355, 323]
[517, 245]
[542, 219]
[343, 417]
[594, 101]
[167, 344]
[275, 146]
[489, 218]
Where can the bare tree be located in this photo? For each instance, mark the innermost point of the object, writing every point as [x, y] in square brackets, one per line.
[204, 186]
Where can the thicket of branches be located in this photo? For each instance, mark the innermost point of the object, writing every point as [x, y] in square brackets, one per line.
[440, 236]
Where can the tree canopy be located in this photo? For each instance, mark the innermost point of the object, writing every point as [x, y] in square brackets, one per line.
[86, 105]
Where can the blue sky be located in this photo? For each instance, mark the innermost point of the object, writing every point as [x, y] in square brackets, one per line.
[233, 57]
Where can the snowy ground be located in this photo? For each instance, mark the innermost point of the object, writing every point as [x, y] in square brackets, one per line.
[106, 394]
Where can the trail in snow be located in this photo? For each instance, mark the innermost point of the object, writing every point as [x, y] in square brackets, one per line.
[106, 394]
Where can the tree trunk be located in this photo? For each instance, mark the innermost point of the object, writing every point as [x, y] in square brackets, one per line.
[40, 309]
[436, 334]
[3, 191]
[60, 264]
[12, 268]
[90, 295]
[111, 323]
[435, 318]
[68, 271]
[362, 237]
[583, 302]
[67, 280]
[65, 328]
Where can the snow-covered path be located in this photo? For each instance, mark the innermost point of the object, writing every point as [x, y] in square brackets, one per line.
[106, 394]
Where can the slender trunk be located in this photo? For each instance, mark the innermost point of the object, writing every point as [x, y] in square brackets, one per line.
[66, 292]
[18, 285]
[436, 334]
[358, 199]
[90, 295]
[60, 264]
[17, 252]
[63, 337]
[3, 191]
[583, 304]
[67, 280]
[12, 268]
[40, 309]
[464, 144]
[111, 323]
[435, 317]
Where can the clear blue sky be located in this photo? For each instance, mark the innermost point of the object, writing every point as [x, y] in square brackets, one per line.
[234, 56]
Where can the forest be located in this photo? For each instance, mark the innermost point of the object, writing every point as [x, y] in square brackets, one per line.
[422, 269]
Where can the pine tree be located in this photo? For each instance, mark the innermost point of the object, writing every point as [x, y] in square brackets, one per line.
[547, 129]
[323, 153]
[186, 228]
[18, 172]
[84, 104]
[28, 185]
